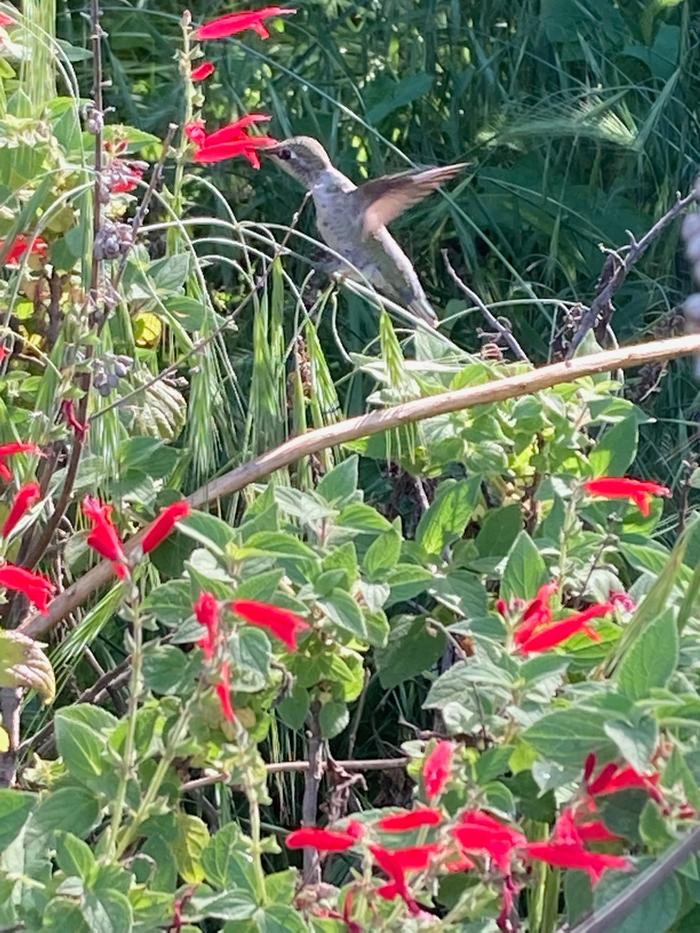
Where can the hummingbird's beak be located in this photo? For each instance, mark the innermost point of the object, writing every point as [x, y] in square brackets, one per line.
[271, 150]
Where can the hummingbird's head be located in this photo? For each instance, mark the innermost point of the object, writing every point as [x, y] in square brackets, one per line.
[301, 156]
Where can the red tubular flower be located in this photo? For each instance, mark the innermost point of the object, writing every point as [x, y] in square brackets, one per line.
[203, 71]
[69, 416]
[9, 450]
[537, 612]
[223, 691]
[206, 610]
[37, 588]
[437, 769]
[164, 525]
[241, 147]
[544, 638]
[323, 840]
[395, 863]
[281, 623]
[637, 491]
[26, 497]
[6, 20]
[596, 831]
[573, 855]
[233, 23]
[480, 832]
[104, 537]
[613, 778]
[234, 132]
[404, 822]
[21, 244]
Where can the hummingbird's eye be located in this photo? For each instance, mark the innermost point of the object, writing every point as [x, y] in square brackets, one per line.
[285, 154]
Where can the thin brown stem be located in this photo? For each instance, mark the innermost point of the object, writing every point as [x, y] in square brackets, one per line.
[623, 265]
[312, 783]
[294, 767]
[504, 332]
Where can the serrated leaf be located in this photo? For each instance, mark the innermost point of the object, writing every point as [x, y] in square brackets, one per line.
[444, 522]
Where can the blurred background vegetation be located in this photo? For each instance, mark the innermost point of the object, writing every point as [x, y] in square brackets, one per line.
[579, 121]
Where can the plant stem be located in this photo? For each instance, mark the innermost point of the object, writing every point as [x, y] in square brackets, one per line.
[128, 762]
[255, 843]
[159, 774]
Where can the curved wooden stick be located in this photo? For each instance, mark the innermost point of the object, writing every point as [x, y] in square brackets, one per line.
[373, 423]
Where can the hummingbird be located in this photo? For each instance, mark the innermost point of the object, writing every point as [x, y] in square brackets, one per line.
[353, 220]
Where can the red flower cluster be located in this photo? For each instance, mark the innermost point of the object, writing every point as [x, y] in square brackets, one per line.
[565, 849]
[27, 496]
[478, 832]
[638, 491]
[233, 23]
[537, 631]
[613, 778]
[37, 588]
[21, 245]
[229, 141]
[203, 71]
[104, 537]
[10, 450]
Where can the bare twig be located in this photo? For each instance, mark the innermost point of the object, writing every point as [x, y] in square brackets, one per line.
[623, 265]
[491, 319]
[364, 426]
[292, 767]
[610, 916]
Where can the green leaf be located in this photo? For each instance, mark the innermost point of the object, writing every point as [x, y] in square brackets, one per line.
[81, 747]
[15, 807]
[651, 659]
[407, 581]
[24, 664]
[637, 741]
[616, 449]
[412, 650]
[79, 802]
[168, 670]
[65, 916]
[567, 736]
[223, 866]
[343, 611]
[294, 708]
[108, 912]
[339, 485]
[444, 522]
[656, 913]
[499, 530]
[190, 842]
[74, 857]
[382, 555]
[525, 571]
[250, 653]
[333, 718]
[170, 603]
[390, 95]
[362, 518]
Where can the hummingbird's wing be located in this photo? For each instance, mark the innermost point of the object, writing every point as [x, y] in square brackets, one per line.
[380, 201]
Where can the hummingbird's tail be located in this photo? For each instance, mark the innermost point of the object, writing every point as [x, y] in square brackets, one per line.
[422, 308]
